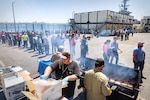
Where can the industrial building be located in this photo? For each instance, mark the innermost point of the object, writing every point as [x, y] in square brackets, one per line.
[102, 20]
[145, 24]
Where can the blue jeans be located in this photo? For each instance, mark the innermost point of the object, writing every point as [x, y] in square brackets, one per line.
[114, 54]
[40, 49]
[47, 49]
[139, 65]
[25, 44]
[106, 58]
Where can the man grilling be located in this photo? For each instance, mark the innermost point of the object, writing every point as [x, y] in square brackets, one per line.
[96, 83]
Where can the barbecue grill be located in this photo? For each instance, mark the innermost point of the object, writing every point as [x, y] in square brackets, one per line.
[86, 63]
[125, 79]
[126, 82]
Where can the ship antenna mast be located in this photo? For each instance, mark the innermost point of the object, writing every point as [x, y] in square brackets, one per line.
[124, 8]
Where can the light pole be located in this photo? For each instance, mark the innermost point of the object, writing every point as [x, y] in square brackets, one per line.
[14, 15]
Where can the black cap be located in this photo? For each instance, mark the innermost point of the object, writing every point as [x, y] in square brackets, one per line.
[65, 55]
[99, 62]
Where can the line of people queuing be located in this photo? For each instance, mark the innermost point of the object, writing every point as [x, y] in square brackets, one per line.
[26, 39]
[40, 42]
[124, 33]
[34, 41]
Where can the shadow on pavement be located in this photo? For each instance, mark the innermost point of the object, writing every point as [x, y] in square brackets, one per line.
[34, 56]
[31, 51]
[41, 56]
[27, 50]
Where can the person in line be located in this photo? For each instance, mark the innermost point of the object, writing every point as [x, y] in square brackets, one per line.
[122, 34]
[62, 40]
[54, 44]
[40, 44]
[96, 83]
[106, 51]
[35, 47]
[132, 31]
[14, 37]
[84, 47]
[31, 35]
[46, 44]
[3, 37]
[57, 55]
[84, 52]
[58, 41]
[19, 39]
[72, 43]
[25, 40]
[67, 70]
[115, 48]
[139, 58]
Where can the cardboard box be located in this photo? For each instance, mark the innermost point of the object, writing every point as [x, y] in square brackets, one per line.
[25, 75]
[54, 92]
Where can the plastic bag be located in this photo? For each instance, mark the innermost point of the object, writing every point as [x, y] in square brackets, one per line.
[41, 86]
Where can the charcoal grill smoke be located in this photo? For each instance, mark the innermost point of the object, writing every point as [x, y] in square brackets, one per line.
[120, 73]
[86, 63]
[116, 72]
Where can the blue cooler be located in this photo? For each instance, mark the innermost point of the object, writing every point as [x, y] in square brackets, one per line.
[42, 66]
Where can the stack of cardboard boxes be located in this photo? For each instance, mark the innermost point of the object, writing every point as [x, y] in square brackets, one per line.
[18, 84]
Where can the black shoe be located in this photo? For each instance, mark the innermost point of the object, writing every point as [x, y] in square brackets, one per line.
[143, 77]
[141, 81]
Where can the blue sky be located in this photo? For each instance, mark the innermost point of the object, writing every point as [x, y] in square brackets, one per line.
[60, 11]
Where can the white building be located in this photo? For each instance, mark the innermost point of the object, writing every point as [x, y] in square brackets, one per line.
[102, 20]
[145, 24]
